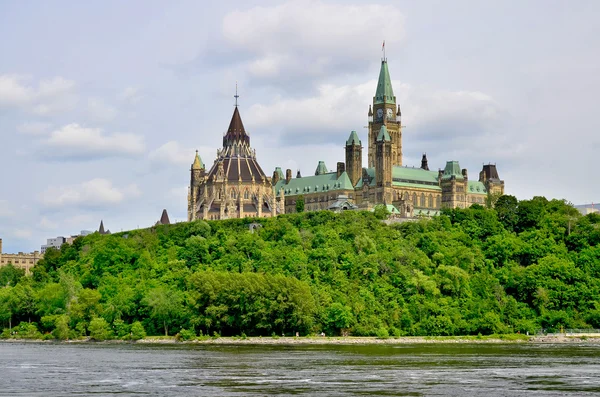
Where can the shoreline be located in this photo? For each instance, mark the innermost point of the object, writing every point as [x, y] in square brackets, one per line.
[348, 340]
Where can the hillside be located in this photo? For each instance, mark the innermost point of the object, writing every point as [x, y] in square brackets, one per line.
[523, 266]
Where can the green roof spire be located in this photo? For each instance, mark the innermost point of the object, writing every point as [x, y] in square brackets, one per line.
[353, 139]
[383, 134]
[384, 92]
[198, 164]
[321, 168]
[452, 170]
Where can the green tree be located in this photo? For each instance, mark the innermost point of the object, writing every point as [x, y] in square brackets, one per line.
[10, 275]
[300, 204]
[99, 329]
[506, 207]
[164, 304]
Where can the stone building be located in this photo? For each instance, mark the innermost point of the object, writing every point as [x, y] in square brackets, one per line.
[407, 191]
[235, 186]
[20, 260]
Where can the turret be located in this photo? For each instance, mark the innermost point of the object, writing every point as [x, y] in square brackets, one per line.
[424, 164]
[383, 159]
[288, 175]
[321, 168]
[354, 158]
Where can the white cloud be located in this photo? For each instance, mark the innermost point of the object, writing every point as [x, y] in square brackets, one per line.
[5, 209]
[336, 110]
[130, 95]
[49, 97]
[100, 111]
[22, 233]
[46, 224]
[311, 38]
[34, 128]
[76, 141]
[97, 192]
[172, 152]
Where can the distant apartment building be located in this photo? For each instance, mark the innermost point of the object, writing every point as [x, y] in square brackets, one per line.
[20, 260]
[586, 209]
[57, 242]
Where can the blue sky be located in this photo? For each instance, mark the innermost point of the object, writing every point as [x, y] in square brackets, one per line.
[103, 103]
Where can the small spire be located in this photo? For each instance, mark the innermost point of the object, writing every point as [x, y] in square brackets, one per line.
[164, 218]
[370, 111]
[424, 164]
[101, 228]
[197, 164]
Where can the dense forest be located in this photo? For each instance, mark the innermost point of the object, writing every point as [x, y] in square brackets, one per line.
[520, 267]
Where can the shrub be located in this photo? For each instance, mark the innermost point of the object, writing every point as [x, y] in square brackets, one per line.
[99, 329]
[186, 334]
[137, 331]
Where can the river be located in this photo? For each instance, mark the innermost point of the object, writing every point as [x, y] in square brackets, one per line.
[47, 369]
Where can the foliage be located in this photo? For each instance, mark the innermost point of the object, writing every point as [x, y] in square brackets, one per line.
[300, 204]
[519, 267]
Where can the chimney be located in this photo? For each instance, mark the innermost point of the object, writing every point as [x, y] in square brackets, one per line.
[0, 246]
[341, 168]
[275, 178]
[440, 173]
[298, 174]
[464, 173]
[288, 175]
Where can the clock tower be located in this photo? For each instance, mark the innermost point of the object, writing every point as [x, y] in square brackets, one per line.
[385, 112]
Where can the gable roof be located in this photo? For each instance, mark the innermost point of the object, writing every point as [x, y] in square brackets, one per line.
[314, 184]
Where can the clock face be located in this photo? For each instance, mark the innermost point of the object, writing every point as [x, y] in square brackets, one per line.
[389, 113]
[379, 113]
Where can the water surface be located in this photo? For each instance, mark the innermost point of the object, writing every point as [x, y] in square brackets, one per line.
[488, 370]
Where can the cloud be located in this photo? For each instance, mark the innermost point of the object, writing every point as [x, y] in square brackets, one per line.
[22, 233]
[99, 111]
[97, 192]
[47, 224]
[34, 128]
[130, 95]
[74, 141]
[330, 115]
[5, 209]
[311, 38]
[49, 97]
[173, 153]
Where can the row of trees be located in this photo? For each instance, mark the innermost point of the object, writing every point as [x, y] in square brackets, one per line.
[522, 266]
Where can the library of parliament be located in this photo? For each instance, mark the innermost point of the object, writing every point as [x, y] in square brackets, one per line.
[235, 186]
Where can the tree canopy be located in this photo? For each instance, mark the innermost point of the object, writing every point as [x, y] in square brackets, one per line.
[521, 266]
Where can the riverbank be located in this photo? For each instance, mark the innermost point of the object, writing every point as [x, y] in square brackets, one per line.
[349, 340]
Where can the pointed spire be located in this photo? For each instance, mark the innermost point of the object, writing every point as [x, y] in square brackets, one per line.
[398, 113]
[164, 218]
[370, 111]
[384, 93]
[198, 164]
[353, 139]
[321, 168]
[236, 131]
[383, 135]
[101, 228]
[424, 162]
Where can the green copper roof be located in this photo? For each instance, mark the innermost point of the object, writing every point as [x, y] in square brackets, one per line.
[279, 172]
[452, 170]
[408, 177]
[198, 164]
[314, 184]
[353, 139]
[384, 92]
[383, 134]
[476, 187]
[321, 168]
[391, 209]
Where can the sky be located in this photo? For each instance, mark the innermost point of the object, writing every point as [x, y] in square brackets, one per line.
[103, 103]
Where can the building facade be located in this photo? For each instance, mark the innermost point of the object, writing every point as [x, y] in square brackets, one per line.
[21, 260]
[407, 191]
[235, 186]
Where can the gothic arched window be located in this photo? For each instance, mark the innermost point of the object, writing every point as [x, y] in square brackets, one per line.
[246, 194]
[422, 199]
[414, 200]
[233, 194]
[430, 203]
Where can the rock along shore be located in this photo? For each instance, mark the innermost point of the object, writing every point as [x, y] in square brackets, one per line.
[316, 340]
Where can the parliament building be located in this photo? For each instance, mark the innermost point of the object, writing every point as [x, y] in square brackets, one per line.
[235, 186]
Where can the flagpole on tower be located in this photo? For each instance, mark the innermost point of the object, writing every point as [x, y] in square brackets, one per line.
[383, 49]
[236, 96]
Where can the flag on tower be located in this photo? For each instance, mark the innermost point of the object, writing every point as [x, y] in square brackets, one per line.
[383, 45]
